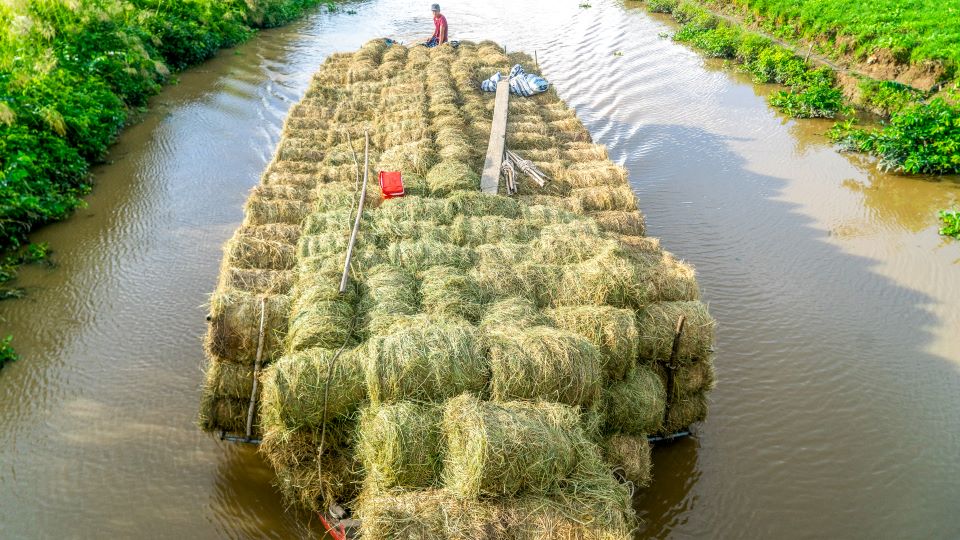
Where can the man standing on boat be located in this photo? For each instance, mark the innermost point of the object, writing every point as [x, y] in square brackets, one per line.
[439, 27]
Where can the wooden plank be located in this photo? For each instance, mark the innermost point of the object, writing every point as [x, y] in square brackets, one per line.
[490, 180]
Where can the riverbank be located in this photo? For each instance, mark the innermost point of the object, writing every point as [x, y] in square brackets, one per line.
[72, 74]
[921, 136]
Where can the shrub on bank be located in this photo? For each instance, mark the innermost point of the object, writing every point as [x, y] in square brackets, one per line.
[70, 73]
[923, 138]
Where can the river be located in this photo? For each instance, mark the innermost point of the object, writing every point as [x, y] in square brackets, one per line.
[838, 304]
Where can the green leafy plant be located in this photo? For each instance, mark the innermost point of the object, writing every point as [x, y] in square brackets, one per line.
[7, 354]
[923, 138]
[951, 223]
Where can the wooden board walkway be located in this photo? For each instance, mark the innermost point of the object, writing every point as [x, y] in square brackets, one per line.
[490, 180]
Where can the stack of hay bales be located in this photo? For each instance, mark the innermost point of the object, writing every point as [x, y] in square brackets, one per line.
[494, 358]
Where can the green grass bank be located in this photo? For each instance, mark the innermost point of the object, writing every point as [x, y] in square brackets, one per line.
[921, 131]
[71, 74]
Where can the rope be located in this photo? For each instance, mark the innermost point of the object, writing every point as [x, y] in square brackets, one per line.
[506, 169]
[353, 321]
[256, 369]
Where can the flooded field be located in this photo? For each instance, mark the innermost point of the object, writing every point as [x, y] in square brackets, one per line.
[838, 304]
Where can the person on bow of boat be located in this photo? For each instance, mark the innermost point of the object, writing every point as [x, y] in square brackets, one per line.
[439, 27]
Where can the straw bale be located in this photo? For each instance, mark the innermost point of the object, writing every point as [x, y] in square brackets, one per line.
[505, 270]
[619, 222]
[389, 292]
[478, 230]
[639, 246]
[657, 325]
[688, 379]
[475, 203]
[542, 215]
[425, 359]
[395, 53]
[416, 157]
[234, 327]
[548, 155]
[412, 208]
[294, 388]
[541, 362]
[594, 173]
[512, 313]
[231, 381]
[324, 244]
[683, 413]
[449, 176]
[569, 204]
[631, 453]
[324, 323]
[573, 242]
[595, 199]
[504, 449]
[399, 445]
[282, 191]
[419, 255]
[264, 212]
[224, 414]
[611, 330]
[337, 219]
[248, 250]
[608, 278]
[387, 231]
[580, 151]
[257, 281]
[636, 404]
[448, 291]
[305, 481]
[437, 513]
[670, 279]
[523, 140]
[571, 129]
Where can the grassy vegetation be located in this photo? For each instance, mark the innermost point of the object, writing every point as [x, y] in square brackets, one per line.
[951, 223]
[912, 31]
[7, 354]
[921, 137]
[71, 72]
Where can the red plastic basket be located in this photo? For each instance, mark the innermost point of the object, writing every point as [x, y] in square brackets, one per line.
[391, 184]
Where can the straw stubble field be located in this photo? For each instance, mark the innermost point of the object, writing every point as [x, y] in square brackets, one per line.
[494, 357]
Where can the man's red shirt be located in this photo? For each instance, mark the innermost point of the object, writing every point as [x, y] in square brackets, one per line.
[440, 29]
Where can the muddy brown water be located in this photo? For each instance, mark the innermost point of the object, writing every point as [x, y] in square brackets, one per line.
[839, 306]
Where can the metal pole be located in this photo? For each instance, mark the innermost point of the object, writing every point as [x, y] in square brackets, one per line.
[356, 223]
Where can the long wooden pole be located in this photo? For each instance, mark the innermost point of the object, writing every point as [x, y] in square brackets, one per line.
[356, 223]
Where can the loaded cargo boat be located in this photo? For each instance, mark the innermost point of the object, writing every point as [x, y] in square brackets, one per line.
[453, 353]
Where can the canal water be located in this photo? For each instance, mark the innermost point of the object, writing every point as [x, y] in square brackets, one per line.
[838, 304]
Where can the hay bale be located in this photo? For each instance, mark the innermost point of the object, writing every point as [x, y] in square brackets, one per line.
[541, 362]
[234, 328]
[578, 152]
[594, 173]
[543, 215]
[294, 388]
[683, 413]
[224, 414]
[506, 270]
[448, 291]
[388, 231]
[670, 280]
[267, 247]
[657, 326]
[327, 244]
[631, 454]
[399, 446]
[636, 404]
[511, 313]
[611, 330]
[264, 212]
[412, 157]
[607, 279]
[226, 380]
[697, 377]
[412, 208]
[449, 176]
[320, 315]
[504, 449]
[267, 282]
[427, 514]
[425, 359]
[619, 222]
[596, 199]
[307, 479]
[389, 292]
[478, 230]
[417, 256]
[568, 243]
[475, 203]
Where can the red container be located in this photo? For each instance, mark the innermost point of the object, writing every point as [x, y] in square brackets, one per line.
[391, 184]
